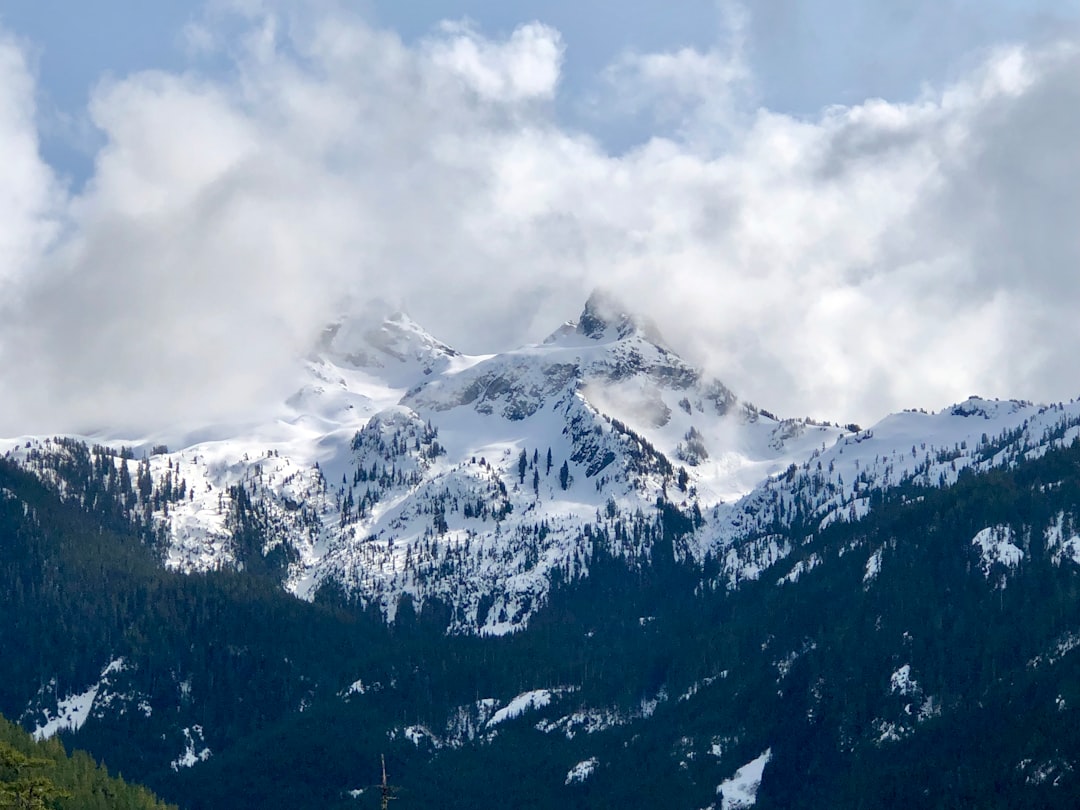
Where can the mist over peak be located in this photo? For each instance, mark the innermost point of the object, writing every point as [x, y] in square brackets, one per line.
[604, 312]
[846, 263]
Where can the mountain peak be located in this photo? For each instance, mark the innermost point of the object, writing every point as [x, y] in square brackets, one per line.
[370, 340]
[606, 317]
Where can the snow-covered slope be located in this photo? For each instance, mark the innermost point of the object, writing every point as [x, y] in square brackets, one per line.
[837, 482]
[401, 466]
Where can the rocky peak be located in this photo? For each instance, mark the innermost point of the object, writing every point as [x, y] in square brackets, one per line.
[605, 317]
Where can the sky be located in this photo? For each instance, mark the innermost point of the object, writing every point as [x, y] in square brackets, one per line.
[840, 208]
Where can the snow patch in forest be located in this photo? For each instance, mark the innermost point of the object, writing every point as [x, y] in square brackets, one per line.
[800, 568]
[71, 714]
[73, 711]
[358, 687]
[740, 791]
[582, 771]
[901, 682]
[417, 734]
[873, 567]
[1050, 771]
[699, 685]
[1060, 543]
[1064, 645]
[525, 702]
[195, 749]
[996, 546]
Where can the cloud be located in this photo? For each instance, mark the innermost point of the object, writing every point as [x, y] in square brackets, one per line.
[873, 256]
[29, 197]
[688, 87]
[526, 66]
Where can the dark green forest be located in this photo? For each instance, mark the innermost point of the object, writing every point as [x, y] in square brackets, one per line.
[682, 680]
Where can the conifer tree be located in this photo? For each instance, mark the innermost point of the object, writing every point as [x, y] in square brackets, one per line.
[22, 785]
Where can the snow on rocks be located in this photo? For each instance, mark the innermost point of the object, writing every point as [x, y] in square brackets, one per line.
[833, 481]
[1051, 771]
[913, 708]
[526, 702]
[889, 732]
[873, 567]
[592, 721]
[1061, 542]
[901, 682]
[740, 791]
[1064, 645]
[421, 735]
[72, 712]
[582, 771]
[800, 568]
[480, 721]
[996, 547]
[359, 687]
[699, 685]
[195, 749]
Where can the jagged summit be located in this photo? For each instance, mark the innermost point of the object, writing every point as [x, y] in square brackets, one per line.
[606, 317]
[615, 359]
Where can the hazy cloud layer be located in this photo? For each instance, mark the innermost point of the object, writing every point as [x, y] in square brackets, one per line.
[28, 196]
[875, 256]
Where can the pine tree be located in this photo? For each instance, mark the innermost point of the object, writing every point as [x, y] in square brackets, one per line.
[22, 786]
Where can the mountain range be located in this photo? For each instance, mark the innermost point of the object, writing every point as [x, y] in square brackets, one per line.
[584, 559]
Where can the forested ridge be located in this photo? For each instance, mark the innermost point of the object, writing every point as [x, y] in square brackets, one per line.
[670, 682]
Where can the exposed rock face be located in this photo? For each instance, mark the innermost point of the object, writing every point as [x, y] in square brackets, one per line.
[606, 317]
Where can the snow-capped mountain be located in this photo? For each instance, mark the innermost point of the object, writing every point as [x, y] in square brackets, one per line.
[402, 466]
[711, 606]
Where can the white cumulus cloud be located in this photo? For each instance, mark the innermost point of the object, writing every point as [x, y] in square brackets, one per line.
[876, 255]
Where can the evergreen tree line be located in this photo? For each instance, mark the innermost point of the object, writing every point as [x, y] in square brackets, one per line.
[802, 668]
